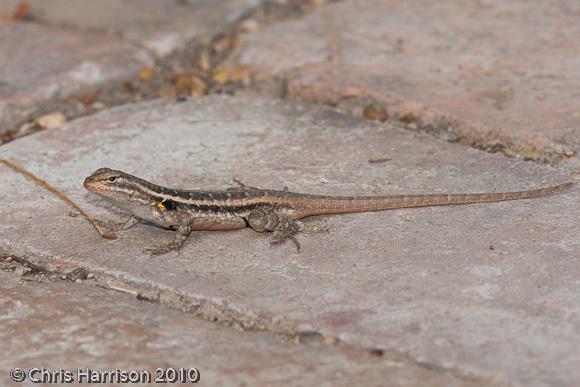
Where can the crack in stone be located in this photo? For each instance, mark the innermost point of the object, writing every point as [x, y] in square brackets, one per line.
[132, 89]
[439, 125]
[223, 314]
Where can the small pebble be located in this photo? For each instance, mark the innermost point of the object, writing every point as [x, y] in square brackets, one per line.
[98, 105]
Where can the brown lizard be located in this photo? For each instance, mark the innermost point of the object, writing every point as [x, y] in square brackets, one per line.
[260, 209]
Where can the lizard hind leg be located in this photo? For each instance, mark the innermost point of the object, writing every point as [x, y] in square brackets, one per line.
[283, 228]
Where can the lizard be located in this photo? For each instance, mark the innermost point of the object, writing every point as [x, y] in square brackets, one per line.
[263, 210]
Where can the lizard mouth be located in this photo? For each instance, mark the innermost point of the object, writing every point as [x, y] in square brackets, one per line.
[93, 186]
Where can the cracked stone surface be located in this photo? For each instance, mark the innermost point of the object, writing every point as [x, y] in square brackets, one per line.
[43, 65]
[68, 326]
[160, 26]
[487, 73]
[486, 291]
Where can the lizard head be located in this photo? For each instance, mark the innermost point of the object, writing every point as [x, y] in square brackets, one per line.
[143, 199]
[104, 180]
[114, 185]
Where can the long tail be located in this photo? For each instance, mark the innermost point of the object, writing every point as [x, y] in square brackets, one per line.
[321, 205]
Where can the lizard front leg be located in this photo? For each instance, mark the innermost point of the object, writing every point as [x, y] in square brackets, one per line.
[197, 224]
[181, 234]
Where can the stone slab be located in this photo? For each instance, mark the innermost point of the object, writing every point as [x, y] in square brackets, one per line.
[42, 66]
[496, 75]
[486, 290]
[160, 26]
[61, 325]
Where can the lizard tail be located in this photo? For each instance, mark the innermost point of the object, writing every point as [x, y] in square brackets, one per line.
[324, 205]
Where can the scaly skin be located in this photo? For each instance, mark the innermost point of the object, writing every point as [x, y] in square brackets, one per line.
[262, 210]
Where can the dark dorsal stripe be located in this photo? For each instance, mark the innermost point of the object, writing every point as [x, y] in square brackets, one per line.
[171, 205]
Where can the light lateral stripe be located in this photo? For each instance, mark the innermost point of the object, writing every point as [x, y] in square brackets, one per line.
[363, 203]
[228, 202]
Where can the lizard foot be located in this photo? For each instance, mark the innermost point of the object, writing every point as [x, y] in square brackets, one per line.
[280, 237]
[163, 249]
[181, 235]
[266, 219]
[285, 230]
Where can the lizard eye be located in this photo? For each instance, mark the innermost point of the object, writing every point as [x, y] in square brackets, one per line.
[112, 179]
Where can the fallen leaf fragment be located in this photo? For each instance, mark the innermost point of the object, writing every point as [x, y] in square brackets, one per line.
[145, 73]
[224, 44]
[239, 74]
[203, 61]
[51, 121]
[189, 84]
[531, 154]
[249, 25]
[88, 98]
[98, 105]
[371, 112]
[220, 76]
[26, 128]
[22, 11]
[408, 118]
[329, 340]
[198, 87]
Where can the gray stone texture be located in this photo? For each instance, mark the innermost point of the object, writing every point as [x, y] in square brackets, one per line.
[59, 51]
[160, 26]
[483, 291]
[497, 75]
[61, 325]
[42, 66]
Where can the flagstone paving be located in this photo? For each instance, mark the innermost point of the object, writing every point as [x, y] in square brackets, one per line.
[495, 75]
[160, 26]
[484, 291]
[44, 68]
[61, 60]
[474, 295]
[70, 326]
